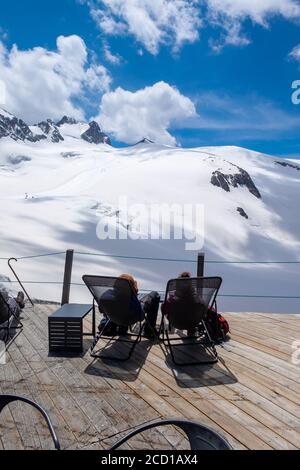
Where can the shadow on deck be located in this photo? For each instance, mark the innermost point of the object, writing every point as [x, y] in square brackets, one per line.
[251, 396]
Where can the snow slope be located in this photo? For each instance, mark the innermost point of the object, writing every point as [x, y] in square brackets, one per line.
[53, 196]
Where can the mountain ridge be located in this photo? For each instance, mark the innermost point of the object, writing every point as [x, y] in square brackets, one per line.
[55, 195]
[18, 130]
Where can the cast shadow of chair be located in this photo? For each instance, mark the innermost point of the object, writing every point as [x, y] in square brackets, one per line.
[113, 369]
[202, 375]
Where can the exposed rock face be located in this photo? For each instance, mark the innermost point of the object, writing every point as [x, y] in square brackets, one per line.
[288, 165]
[145, 140]
[17, 159]
[16, 129]
[242, 178]
[94, 135]
[242, 212]
[70, 154]
[50, 129]
[66, 120]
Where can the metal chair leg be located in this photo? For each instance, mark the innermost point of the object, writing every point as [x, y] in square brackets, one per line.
[192, 363]
[162, 328]
[7, 399]
[10, 326]
[6, 334]
[100, 336]
[212, 344]
[200, 437]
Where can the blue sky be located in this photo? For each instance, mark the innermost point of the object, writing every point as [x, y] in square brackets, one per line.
[241, 92]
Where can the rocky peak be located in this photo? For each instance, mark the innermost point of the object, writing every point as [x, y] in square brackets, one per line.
[94, 135]
[46, 126]
[242, 212]
[240, 178]
[288, 165]
[66, 120]
[145, 140]
[16, 129]
[50, 129]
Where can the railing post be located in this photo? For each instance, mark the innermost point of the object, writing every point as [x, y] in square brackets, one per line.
[67, 277]
[200, 264]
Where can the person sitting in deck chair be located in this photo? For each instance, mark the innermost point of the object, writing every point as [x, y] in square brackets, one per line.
[217, 325]
[9, 307]
[16, 304]
[184, 294]
[141, 305]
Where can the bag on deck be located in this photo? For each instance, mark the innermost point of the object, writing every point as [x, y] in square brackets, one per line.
[217, 325]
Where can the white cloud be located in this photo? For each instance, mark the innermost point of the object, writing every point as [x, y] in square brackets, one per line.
[295, 53]
[229, 15]
[3, 34]
[114, 59]
[257, 10]
[97, 78]
[149, 112]
[249, 113]
[152, 22]
[42, 83]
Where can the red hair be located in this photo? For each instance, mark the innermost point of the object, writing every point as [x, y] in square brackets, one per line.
[131, 281]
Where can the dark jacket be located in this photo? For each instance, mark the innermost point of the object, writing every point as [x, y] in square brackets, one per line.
[121, 308]
[4, 310]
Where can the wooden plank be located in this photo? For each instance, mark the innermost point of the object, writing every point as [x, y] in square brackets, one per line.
[256, 401]
[285, 443]
[273, 341]
[222, 398]
[276, 383]
[93, 403]
[268, 332]
[202, 410]
[77, 382]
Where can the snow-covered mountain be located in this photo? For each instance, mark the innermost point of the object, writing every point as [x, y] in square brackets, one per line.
[18, 130]
[54, 191]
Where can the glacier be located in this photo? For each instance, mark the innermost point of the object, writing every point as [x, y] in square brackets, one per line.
[53, 194]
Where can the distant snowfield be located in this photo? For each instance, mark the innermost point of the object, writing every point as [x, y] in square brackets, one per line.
[53, 195]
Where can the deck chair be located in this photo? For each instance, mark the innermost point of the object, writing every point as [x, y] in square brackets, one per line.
[186, 307]
[7, 399]
[114, 297]
[8, 320]
[200, 437]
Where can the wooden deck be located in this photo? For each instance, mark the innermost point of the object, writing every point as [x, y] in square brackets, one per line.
[252, 396]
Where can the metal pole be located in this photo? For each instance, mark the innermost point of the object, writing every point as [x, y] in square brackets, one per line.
[67, 277]
[200, 264]
[18, 279]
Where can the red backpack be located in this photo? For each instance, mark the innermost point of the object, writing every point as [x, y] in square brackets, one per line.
[223, 325]
[217, 325]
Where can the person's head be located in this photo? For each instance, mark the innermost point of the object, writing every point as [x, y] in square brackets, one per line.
[185, 274]
[131, 280]
[184, 288]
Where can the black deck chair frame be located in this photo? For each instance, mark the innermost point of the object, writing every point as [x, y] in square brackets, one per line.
[188, 308]
[118, 311]
[200, 437]
[9, 321]
[5, 400]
